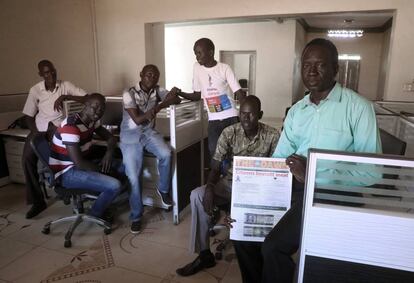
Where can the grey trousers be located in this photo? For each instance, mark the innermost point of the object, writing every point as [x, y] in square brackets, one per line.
[200, 220]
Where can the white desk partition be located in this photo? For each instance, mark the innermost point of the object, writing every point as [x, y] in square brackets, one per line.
[397, 118]
[186, 128]
[358, 219]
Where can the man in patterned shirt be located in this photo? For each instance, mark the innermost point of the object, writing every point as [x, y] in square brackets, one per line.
[141, 104]
[247, 138]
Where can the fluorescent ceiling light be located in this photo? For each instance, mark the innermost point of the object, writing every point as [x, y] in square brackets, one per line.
[345, 33]
[349, 57]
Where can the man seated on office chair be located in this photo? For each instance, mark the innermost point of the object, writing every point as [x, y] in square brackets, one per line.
[249, 137]
[69, 154]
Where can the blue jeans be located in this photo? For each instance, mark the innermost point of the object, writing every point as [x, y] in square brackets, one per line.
[133, 156]
[108, 187]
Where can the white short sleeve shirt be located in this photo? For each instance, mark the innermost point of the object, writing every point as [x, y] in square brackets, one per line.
[214, 84]
[40, 102]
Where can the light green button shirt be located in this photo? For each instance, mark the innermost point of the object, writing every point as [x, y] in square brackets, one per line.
[343, 121]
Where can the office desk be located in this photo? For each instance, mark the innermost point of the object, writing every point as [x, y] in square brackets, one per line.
[14, 140]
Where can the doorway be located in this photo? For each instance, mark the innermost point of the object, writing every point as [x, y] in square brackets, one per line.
[243, 64]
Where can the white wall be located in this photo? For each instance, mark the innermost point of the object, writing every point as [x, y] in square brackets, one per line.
[369, 47]
[121, 30]
[61, 31]
[297, 84]
[273, 42]
[384, 63]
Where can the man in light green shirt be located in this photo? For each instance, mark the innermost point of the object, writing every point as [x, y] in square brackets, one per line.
[328, 117]
[342, 121]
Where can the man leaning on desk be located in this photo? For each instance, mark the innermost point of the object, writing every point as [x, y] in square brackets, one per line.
[43, 105]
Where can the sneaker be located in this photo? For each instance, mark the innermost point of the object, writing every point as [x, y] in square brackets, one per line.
[35, 210]
[165, 198]
[136, 227]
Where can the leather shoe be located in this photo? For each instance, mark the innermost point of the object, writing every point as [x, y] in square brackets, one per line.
[197, 265]
[35, 210]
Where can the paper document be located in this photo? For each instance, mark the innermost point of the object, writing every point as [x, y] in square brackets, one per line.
[261, 194]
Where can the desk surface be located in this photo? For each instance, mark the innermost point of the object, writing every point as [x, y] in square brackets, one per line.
[21, 133]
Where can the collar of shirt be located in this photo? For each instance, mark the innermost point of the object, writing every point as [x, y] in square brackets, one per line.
[57, 86]
[334, 96]
[139, 89]
[87, 126]
[242, 134]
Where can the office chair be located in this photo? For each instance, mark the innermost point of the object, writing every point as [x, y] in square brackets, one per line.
[41, 148]
[391, 144]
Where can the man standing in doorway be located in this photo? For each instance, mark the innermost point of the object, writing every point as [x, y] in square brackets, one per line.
[211, 81]
[43, 106]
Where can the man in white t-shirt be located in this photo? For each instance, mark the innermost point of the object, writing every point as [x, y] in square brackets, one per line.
[212, 81]
[43, 106]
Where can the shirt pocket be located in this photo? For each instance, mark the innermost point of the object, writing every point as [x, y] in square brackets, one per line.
[334, 139]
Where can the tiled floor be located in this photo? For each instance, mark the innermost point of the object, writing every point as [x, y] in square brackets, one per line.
[27, 255]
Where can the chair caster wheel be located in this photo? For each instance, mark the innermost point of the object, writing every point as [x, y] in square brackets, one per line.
[218, 255]
[107, 231]
[68, 243]
[46, 230]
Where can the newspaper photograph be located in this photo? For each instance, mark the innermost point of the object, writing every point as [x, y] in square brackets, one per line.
[261, 194]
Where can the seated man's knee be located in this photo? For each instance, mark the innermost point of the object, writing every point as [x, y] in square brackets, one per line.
[197, 195]
[115, 186]
[165, 154]
[271, 246]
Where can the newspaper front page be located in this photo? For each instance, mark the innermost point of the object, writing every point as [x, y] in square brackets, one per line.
[261, 194]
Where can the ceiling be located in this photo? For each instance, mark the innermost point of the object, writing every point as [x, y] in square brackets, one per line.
[370, 21]
[353, 20]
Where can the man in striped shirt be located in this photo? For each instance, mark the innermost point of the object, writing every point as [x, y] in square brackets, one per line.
[70, 149]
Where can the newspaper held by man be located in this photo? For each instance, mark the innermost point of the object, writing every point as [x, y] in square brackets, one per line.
[261, 194]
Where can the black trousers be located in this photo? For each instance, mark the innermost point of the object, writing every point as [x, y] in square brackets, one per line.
[215, 127]
[34, 194]
[270, 261]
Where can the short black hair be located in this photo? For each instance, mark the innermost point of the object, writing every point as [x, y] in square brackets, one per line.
[206, 42]
[44, 63]
[324, 43]
[96, 96]
[253, 100]
[150, 66]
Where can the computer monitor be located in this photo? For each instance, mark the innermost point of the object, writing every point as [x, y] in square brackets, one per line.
[113, 111]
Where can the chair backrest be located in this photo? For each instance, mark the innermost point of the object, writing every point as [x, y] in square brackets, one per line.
[41, 148]
[391, 144]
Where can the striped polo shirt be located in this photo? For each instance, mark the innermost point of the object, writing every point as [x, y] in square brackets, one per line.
[71, 131]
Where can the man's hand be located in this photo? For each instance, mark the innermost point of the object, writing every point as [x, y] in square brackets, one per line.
[297, 165]
[228, 220]
[151, 114]
[58, 106]
[106, 163]
[208, 200]
[172, 97]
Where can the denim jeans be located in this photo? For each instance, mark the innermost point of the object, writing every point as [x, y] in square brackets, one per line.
[133, 156]
[108, 187]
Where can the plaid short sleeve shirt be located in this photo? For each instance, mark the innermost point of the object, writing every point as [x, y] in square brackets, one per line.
[234, 142]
